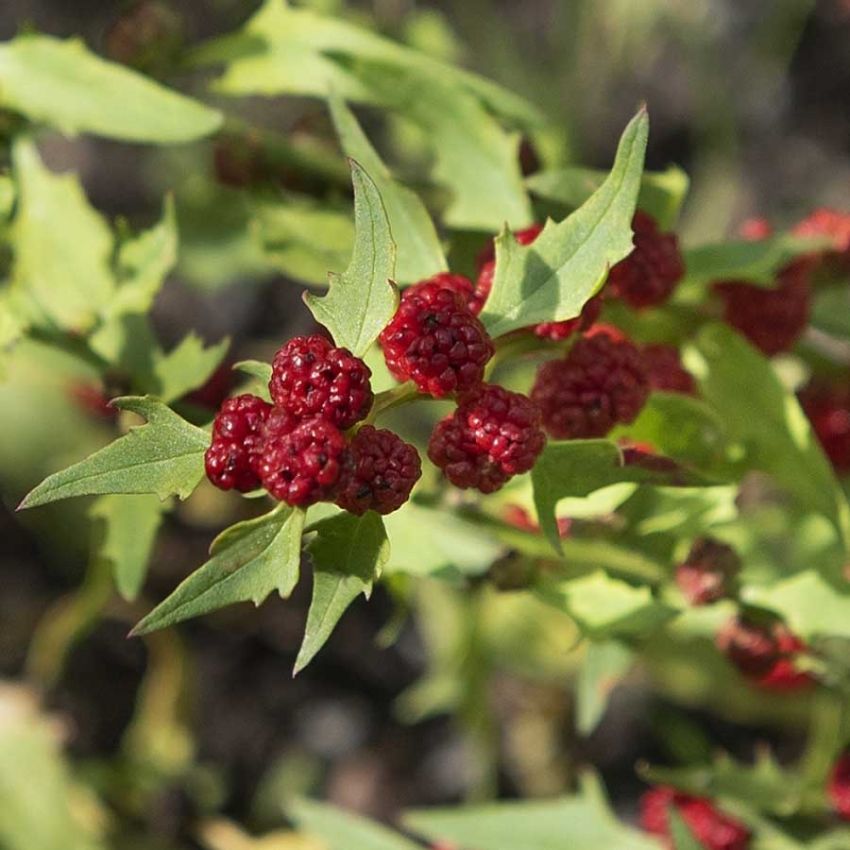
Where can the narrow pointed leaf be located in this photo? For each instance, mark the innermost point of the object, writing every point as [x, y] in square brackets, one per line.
[164, 457]
[551, 279]
[348, 554]
[361, 300]
[63, 84]
[419, 254]
[125, 538]
[248, 561]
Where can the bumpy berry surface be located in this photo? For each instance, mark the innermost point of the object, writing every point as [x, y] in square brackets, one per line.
[379, 472]
[764, 653]
[648, 276]
[828, 408]
[839, 786]
[493, 435]
[665, 371]
[301, 466]
[771, 319]
[713, 829]
[311, 377]
[601, 382]
[435, 341]
[230, 461]
[835, 225]
[557, 331]
[708, 572]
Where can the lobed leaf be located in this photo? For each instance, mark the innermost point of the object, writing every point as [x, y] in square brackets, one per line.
[248, 561]
[418, 251]
[552, 279]
[361, 300]
[164, 457]
[63, 84]
[348, 554]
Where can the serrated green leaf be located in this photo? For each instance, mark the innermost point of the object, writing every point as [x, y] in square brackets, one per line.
[680, 832]
[662, 193]
[361, 300]
[304, 239]
[602, 669]
[418, 251]
[185, 367]
[341, 830]
[579, 467]
[581, 822]
[63, 246]
[62, 84]
[605, 607]
[248, 561]
[128, 529]
[348, 554]
[288, 50]
[164, 457]
[755, 261]
[475, 159]
[553, 278]
[758, 411]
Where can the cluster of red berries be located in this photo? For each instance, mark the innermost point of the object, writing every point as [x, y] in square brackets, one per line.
[764, 653]
[712, 828]
[296, 448]
[709, 571]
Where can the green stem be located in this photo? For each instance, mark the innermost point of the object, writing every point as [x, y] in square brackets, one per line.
[394, 397]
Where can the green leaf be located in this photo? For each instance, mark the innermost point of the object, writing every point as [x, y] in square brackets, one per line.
[288, 50]
[340, 830]
[662, 193]
[256, 369]
[581, 822]
[552, 279]
[419, 253]
[603, 668]
[754, 261]
[758, 411]
[304, 239]
[831, 311]
[46, 811]
[164, 457]
[186, 367]
[361, 300]
[348, 554]
[63, 246]
[128, 529]
[62, 84]
[475, 159]
[248, 561]
[605, 607]
[680, 832]
[579, 467]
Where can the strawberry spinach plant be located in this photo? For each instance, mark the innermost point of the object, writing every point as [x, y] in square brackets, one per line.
[516, 387]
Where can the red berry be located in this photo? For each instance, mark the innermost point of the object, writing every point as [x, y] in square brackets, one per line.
[301, 466]
[665, 371]
[230, 461]
[713, 829]
[557, 331]
[764, 653]
[310, 377]
[601, 382]
[648, 276]
[828, 407]
[771, 319]
[835, 225]
[839, 786]
[379, 472]
[709, 571]
[493, 435]
[456, 282]
[435, 341]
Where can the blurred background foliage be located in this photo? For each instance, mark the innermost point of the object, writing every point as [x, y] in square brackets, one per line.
[201, 739]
